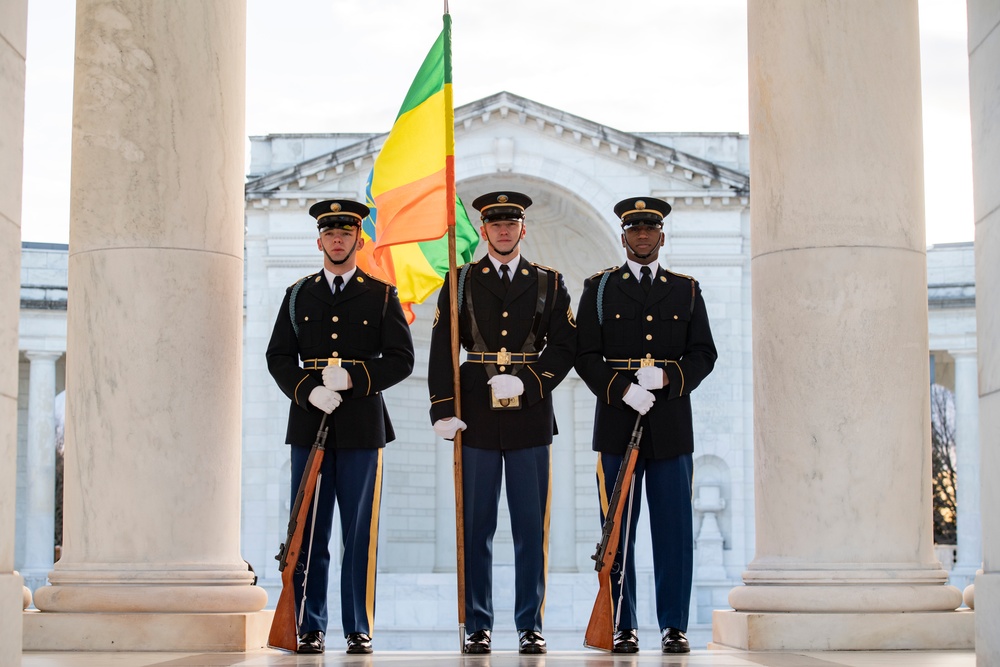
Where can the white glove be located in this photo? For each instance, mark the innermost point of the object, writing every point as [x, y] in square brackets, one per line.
[506, 386]
[639, 399]
[447, 428]
[336, 378]
[651, 378]
[325, 399]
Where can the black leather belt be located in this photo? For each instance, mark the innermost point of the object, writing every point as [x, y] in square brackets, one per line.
[502, 358]
[316, 364]
[636, 364]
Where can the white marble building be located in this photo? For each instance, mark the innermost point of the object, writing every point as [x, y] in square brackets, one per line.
[575, 170]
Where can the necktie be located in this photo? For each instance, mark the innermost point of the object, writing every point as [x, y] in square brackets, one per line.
[505, 275]
[646, 281]
[338, 284]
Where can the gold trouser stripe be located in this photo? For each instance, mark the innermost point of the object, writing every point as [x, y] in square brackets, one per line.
[601, 489]
[373, 546]
[545, 537]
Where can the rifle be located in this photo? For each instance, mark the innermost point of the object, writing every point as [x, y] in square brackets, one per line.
[601, 628]
[284, 626]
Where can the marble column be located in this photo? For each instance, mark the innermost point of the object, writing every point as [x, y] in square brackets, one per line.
[40, 512]
[154, 346]
[562, 509]
[13, 46]
[844, 538]
[984, 100]
[969, 524]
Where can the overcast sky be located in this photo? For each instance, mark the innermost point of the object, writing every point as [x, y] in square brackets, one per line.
[634, 65]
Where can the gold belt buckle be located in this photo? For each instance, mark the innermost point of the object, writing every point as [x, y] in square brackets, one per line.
[333, 361]
[646, 363]
[503, 357]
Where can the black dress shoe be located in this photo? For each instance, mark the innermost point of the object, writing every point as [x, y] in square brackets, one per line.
[478, 642]
[626, 641]
[673, 641]
[311, 642]
[359, 642]
[530, 641]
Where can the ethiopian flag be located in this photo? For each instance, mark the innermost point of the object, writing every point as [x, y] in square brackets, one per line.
[411, 188]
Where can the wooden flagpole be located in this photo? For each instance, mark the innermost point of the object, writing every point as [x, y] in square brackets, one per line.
[453, 309]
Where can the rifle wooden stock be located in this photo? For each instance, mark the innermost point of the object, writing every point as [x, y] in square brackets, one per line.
[284, 629]
[601, 628]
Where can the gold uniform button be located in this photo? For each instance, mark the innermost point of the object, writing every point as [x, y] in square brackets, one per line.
[307, 318]
[336, 354]
[503, 333]
[649, 356]
[505, 313]
[618, 316]
[503, 368]
[649, 318]
[335, 318]
[334, 336]
[675, 317]
[365, 322]
[648, 336]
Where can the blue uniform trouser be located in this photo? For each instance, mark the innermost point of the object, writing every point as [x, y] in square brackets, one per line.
[354, 478]
[668, 493]
[529, 492]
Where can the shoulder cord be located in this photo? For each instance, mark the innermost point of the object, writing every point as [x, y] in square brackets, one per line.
[291, 303]
[461, 285]
[600, 297]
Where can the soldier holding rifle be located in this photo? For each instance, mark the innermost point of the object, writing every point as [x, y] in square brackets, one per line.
[644, 344]
[516, 323]
[350, 334]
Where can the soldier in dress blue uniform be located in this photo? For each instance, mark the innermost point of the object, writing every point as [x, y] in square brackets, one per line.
[644, 344]
[339, 340]
[516, 323]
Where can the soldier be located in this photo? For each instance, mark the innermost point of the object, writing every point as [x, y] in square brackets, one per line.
[516, 323]
[644, 345]
[350, 333]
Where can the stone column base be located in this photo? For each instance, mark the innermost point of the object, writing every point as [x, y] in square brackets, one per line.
[775, 631]
[987, 600]
[68, 631]
[11, 598]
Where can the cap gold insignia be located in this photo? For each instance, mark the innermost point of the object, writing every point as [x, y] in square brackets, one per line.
[334, 207]
[502, 199]
[639, 205]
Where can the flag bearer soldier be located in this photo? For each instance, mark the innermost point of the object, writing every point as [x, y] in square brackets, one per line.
[644, 345]
[350, 333]
[516, 323]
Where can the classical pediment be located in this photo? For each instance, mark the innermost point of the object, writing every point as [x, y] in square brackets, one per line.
[505, 120]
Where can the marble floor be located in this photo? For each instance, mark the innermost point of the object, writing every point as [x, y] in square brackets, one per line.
[698, 658]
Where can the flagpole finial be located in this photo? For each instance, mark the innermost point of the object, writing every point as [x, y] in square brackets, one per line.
[445, 6]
